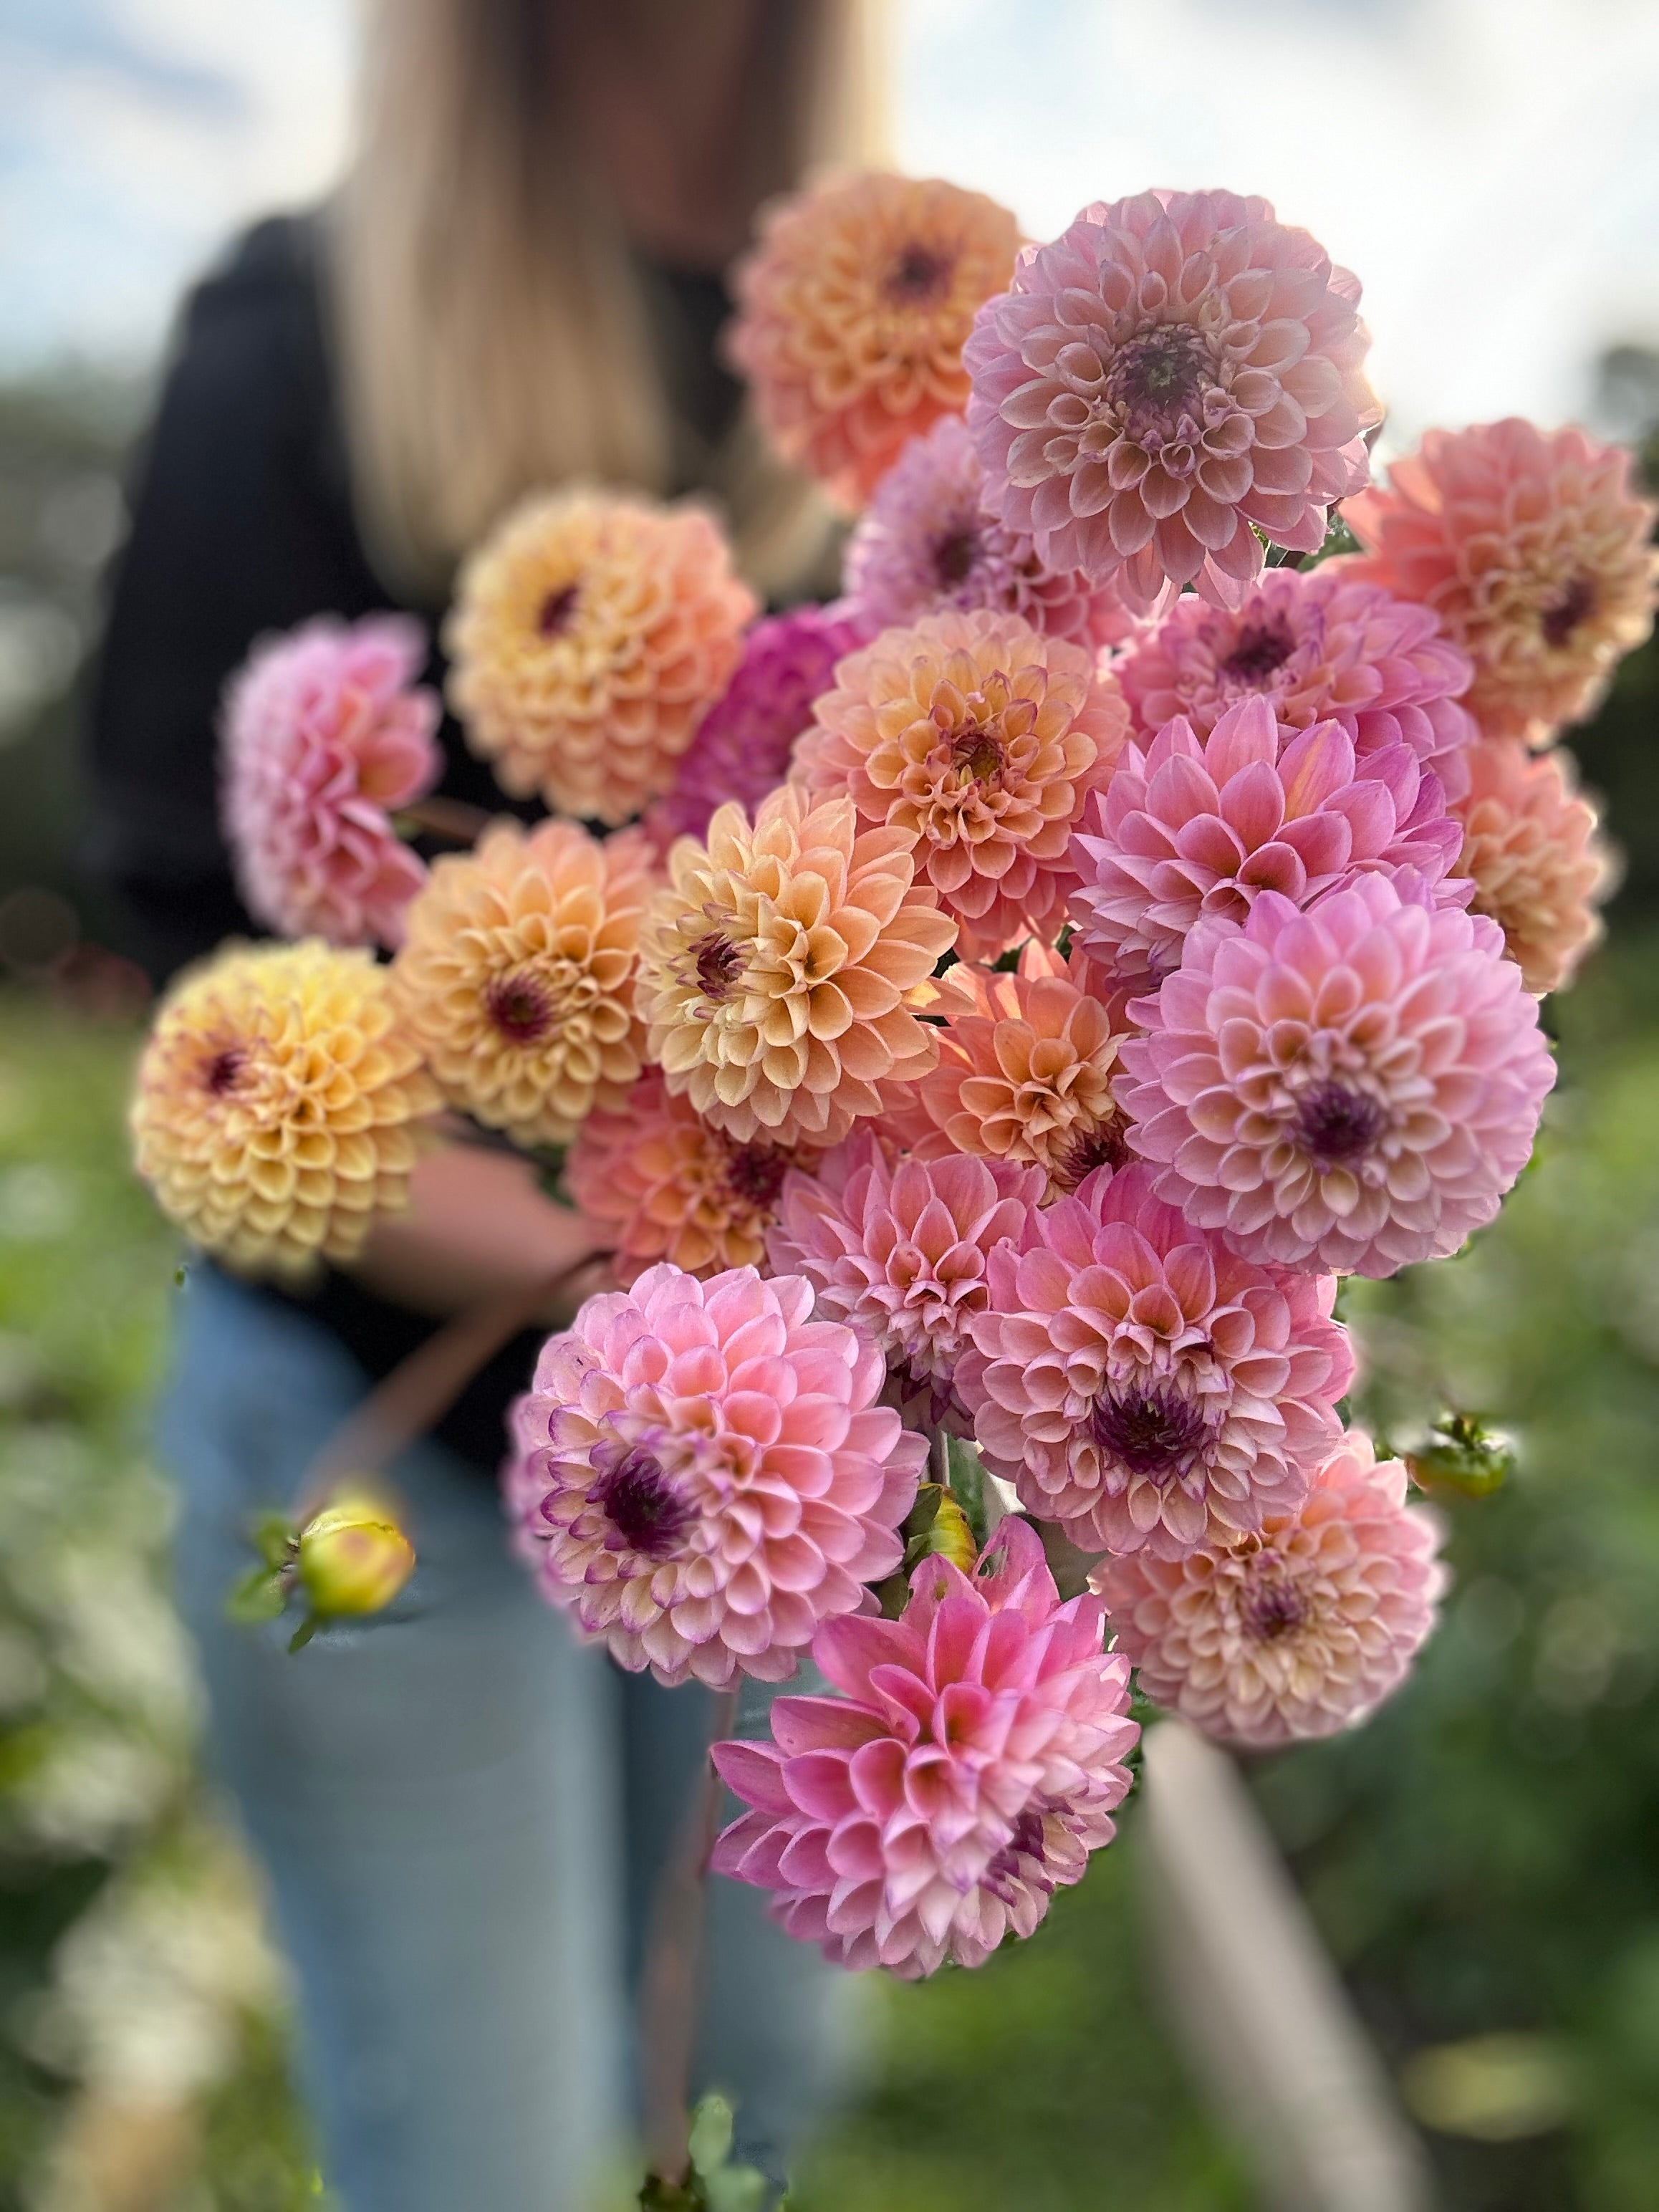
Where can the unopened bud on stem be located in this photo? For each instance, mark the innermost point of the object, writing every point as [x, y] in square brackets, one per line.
[353, 1557]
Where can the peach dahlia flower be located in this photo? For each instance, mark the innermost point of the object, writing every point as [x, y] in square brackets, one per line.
[589, 634]
[516, 975]
[1540, 868]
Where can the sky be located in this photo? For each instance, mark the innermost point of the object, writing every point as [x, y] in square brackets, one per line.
[1489, 167]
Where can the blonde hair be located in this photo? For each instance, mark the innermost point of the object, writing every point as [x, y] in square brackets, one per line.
[490, 322]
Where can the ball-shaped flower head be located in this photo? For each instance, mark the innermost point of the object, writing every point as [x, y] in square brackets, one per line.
[1143, 1385]
[929, 542]
[742, 747]
[590, 636]
[1027, 1068]
[776, 969]
[980, 740]
[665, 1185]
[1196, 826]
[279, 1106]
[852, 310]
[516, 976]
[323, 731]
[1353, 1088]
[1533, 550]
[1320, 646]
[898, 1249]
[1301, 1630]
[702, 1475]
[1172, 369]
[1539, 867]
[971, 1761]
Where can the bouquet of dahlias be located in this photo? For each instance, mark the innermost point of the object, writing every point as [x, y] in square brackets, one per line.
[986, 1019]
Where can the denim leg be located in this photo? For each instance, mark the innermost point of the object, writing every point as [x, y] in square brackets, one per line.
[434, 1795]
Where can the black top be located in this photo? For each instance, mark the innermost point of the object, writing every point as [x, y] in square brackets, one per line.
[242, 524]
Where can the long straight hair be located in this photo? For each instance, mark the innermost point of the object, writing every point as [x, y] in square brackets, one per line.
[489, 320]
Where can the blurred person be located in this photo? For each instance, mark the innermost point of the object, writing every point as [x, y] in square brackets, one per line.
[461, 1813]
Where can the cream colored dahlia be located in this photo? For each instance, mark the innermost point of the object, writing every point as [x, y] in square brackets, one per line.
[1541, 870]
[589, 634]
[516, 975]
[774, 971]
[982, 740]
[852, 312]
[1533, 550]
[665, 1185]
[279, 1105]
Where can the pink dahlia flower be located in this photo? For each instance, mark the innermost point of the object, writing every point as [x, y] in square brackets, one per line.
[1192, 827]
[1301, 1631]
[1533, 550]
[325, 732]
[1353, 1088]
[1172, 369]
[972, 1761]
[1531, 848]
[980, 739]
[1318, 645]
[928, 542]
[899, 1251]
[701, 1474]
[1144, 1386]
[742, 746]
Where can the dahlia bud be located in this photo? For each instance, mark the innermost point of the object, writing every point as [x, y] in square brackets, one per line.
[353, 1556]
[1461, 1453]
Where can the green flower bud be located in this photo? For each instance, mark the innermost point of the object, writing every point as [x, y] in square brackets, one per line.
[354, 1558]
[1462, 1453]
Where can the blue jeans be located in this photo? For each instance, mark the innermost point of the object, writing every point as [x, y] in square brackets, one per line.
[462, 1814]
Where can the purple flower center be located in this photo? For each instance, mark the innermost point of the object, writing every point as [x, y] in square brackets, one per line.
[718, 963]
[647, 1512]
[918, 275]
[519, 1008]
[1097, 1144]
[557, 612]
[1334, 1124]
[1158, 1431]
[1563, 616]
[1020, 1860]
[954, 555]
[754, 1173]
[1273, 1609]
[1159, 381]
[1262, 650]
[224, 1071]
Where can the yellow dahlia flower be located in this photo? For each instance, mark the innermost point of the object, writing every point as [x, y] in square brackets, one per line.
[279, 1107]
[774, 971]
[589, 634]
[516, 975]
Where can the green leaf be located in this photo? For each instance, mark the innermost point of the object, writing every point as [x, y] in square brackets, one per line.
[710, 2139]
[967, 1485]
[260, 1596]
[274, 1539]
[303, 1634]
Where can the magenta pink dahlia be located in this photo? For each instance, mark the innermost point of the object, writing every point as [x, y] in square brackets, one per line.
[1300, 1631]
[1351, 1088]
[1192, 827]
[1171, 370]
[972, 1761]
[1318, 645]
[928, 543]
[741, 747]
[899, 1250]
[702, 1475]
[323, 731]
[1144, 1385]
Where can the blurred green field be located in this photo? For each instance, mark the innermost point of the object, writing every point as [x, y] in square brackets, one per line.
[1484, 1860]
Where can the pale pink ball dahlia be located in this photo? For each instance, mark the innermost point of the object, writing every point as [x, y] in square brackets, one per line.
[1353, 1088]
[928, 543]
[664, 1184]
[972, 1761]
[1321, 647]
[898, 1249]
[1143, 1385]
[980, 739]
[742, 746]
[1533, 550]
[324, 732]
[1192, 827]
[1172, 369]
[701, 1474]
[1300, 1631]
[1540, 868]
[852, 310]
